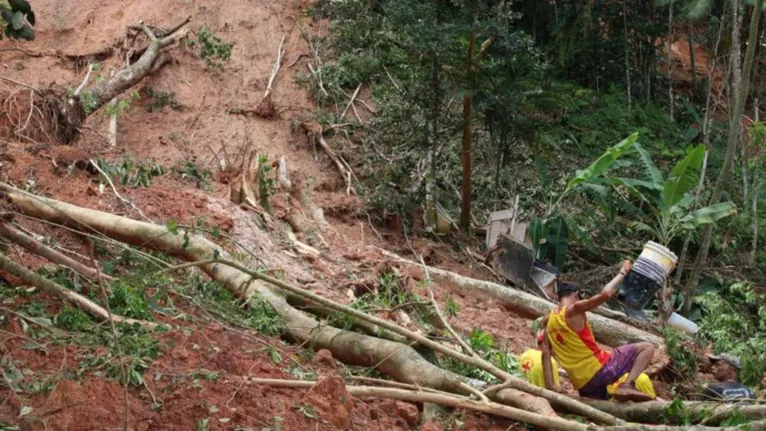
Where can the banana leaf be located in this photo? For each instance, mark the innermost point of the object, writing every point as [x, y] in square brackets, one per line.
[580, 234]
[653, 172]
[646, 228]
[683, 176]
[557, 241]
[709, 214]
[603, 163]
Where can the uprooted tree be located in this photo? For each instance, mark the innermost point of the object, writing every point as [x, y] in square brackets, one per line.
[56, 115]
[512, 398]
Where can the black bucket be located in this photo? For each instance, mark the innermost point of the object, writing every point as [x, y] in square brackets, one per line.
[637, 290]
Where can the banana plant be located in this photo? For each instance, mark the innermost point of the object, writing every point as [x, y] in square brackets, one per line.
[550, 234]
[669, 204]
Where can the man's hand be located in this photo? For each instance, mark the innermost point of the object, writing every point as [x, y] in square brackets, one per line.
[611, 288]
[627, 266]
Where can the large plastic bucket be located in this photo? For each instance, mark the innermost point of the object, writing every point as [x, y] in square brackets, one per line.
[677, 321]
[637, 290]
[660, 255]
[649, 274]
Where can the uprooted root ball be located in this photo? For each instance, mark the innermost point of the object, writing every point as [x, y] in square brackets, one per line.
[40, 115]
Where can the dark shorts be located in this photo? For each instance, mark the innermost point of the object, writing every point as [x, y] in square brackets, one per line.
[620, 362]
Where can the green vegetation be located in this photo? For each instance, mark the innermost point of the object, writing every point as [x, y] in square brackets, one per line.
[735, 321]
[189, 170]
[484, 345]
[211, 48]
[19, 20]
[129, 173]
[160, 99]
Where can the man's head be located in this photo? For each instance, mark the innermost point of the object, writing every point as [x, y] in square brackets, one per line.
[568, 293]
[725, 367]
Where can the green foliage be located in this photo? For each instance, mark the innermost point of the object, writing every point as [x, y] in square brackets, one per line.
[550, 235]
[160, 99]
[677, 412]
[451, 307]
[73, 319]
[671, 205]
[122, 105]
[128, 300]
[19, 20]
[131, 174]
[259, 314]
[483, 344]
[88, 101]
[684, 358]
[189, 170]
[266, 185]
[212, 48]
[735, 322]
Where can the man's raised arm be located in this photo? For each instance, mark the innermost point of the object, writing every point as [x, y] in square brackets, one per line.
[580, 307]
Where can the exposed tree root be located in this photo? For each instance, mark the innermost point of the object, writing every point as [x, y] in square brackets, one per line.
[395, 359]
[67, 295]
[36, 247]
[314, 132]
[39, 115]
[51, 115]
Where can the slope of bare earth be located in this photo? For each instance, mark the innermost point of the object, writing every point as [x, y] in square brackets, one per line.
[202, 133]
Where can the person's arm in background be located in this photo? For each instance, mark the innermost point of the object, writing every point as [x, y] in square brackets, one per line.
[545, 346]
[580, 307]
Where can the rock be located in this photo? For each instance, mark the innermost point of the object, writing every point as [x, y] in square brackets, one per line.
[323, 358]
[331, 401]
[408, 412]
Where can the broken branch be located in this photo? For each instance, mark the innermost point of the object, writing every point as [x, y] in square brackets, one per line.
[440, 399]
[67, 295]
[38, 248]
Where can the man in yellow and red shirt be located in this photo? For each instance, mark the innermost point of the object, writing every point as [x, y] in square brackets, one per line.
[590, 369]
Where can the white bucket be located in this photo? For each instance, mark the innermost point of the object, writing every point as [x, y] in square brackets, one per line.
[676, 321]
[660, 255]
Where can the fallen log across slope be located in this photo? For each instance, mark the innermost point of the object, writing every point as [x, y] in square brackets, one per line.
[607, 331]
[398, 360]
[707, 412]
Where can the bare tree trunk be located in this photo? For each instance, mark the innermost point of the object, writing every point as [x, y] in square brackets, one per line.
[670, 61]
[741, 81]
[697, 193]
[754, 249]
[112, 135]
[465, 213]
[627, 53]
[692, 59]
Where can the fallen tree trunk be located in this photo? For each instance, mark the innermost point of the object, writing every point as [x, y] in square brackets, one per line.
[67, 295]
[440, 399]
[400, 361]
[709, 412]
[38, 248]
[456, 402]
[607, 331]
